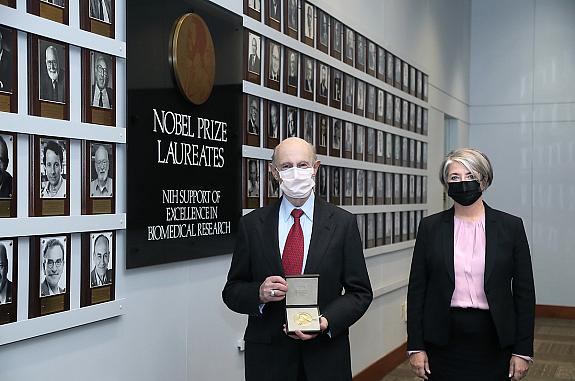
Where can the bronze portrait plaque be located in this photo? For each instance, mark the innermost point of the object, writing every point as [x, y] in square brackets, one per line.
[49, 78]
[322, 28]
[252, 120]
[8, 279]
[252, 175]
[98, 88]
[272, 125]
[49, 181]
[98, 177]
[252, 57]
[55, 10]
[308, 24]
[273, 13]
[335, 137]
[272, 187]
[307, 75]
[335, 185]
[336, 38]
[97, 16]
[8, 178]
[291, 18]
[321, 134]
[98, 267]
[272, 68]
[8, 70]
[291, 59]
[253, 8]
[49, 288]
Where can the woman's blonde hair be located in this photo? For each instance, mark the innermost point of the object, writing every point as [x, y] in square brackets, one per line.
[475, 161]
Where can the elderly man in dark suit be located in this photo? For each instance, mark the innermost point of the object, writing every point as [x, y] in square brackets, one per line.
[102, 94]
[299, 234]
[52, 81]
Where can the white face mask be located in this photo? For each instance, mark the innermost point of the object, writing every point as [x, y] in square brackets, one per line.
[297, 182]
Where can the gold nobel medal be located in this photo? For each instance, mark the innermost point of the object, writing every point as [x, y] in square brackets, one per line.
[303, 319]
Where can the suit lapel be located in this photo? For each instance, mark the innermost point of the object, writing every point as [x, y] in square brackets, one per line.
[448, 234]
[270, 229]
[490, 242]
[320, 236]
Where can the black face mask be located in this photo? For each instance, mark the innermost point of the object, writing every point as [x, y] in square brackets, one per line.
[464, 192]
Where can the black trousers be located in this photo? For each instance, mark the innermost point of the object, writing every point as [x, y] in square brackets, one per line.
[473, 352]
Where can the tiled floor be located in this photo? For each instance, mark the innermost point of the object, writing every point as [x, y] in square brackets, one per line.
[554, 353]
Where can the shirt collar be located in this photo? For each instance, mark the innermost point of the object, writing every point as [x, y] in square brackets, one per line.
[286, 207]
[106, 186]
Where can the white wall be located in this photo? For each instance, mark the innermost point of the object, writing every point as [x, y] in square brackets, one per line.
[176, 326]
[522, 108]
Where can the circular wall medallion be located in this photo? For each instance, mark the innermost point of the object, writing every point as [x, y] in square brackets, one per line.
[193, 58]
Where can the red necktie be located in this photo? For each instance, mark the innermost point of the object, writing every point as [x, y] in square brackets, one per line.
[292, 258]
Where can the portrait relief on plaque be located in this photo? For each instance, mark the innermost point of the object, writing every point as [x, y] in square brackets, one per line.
[52, 265]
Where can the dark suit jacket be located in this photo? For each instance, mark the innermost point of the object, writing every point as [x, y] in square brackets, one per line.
[45, 290]
[8, 286]
[47, 90]
[109, 91]
[95, 9]
[335, 253]
[6, 71]
[508, 281]
[6, 186]
[254, 63]
[94, 280]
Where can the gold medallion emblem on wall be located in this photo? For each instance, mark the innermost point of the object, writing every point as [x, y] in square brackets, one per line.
[193, 58]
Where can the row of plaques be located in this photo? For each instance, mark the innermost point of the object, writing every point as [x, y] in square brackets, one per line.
[49, 80]
[49, 273]
[340, 186]
[327, 34]
[379, 229]
[316, 81]
[49, 188]
[330, 136]
[96, 16]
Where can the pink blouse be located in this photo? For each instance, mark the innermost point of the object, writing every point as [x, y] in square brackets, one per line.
[469, 264]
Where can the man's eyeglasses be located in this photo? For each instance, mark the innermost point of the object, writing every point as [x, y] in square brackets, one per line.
[50, 263]
[101, 70]
[101, 163]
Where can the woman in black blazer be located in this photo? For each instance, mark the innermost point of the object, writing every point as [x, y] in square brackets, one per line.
[471, 297]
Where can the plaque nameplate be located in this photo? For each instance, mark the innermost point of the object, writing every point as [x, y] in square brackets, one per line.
[53, 207]
[101, 206]
[51, 12]
[104, 117]
[5, 208]
[4, 102]
[52, 304]
[52, 110]
[101, 294]
[100, 28]
[5, 317]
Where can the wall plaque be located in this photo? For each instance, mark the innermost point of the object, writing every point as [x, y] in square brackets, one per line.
[185, 129]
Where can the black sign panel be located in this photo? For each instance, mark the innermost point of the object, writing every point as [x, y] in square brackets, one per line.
[184, 84]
